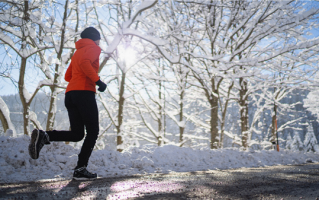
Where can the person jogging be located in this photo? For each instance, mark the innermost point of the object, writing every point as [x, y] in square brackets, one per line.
[82, 75]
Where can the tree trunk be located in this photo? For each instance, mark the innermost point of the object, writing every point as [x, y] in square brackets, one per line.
[273, 123]
[26, 16]
[222, 124]
[181, 114]
[243, 103]
[120, 112]
[159, 119]
[25, 104]
[222, 130]
[213, 122]
[52, 108]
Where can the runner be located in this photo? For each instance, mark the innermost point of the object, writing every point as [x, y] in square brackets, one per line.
[80, 102]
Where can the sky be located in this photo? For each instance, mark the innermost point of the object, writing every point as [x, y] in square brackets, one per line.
[58, 160]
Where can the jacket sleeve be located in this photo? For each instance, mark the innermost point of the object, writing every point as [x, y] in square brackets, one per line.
[68, 73]
[88, 58]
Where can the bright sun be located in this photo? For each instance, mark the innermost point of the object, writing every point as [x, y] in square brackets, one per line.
[127, 55]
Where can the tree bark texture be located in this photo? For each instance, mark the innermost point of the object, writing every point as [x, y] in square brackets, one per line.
[160, 114]
[213, 122]
[243, 104]
[120, 112]
[273, 123]
[181, 114]
[25, 104]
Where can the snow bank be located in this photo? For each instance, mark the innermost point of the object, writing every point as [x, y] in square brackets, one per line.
[58, 159]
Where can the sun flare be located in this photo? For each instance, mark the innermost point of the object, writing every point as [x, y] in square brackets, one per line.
[127, 55]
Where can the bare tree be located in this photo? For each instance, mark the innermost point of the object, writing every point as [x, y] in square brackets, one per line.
[19, 18]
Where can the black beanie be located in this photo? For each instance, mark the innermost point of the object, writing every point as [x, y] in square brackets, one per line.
[91, 33]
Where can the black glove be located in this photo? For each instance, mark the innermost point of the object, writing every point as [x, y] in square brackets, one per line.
[102, 86]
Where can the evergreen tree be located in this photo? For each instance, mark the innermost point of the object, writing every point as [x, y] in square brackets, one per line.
[289, 142]
[310, 139]
[297, 145]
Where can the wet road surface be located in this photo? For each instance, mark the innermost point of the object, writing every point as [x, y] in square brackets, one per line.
[277, 182]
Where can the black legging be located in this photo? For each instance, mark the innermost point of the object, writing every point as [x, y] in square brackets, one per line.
[82, 110]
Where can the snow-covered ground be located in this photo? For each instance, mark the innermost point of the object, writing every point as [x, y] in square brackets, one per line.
[58, 159]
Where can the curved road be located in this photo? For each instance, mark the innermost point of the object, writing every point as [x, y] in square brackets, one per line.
[276, 182]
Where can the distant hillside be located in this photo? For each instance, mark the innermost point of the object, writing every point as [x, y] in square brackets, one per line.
[40, 106]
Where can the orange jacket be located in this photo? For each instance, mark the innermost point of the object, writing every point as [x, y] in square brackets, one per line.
[84, 66]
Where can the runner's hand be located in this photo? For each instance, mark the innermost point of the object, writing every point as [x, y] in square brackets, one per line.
[102, 86]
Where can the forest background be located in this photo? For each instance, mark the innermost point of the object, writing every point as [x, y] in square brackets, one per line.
[199, 74]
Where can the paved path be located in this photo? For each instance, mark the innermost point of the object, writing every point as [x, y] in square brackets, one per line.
[278, 182]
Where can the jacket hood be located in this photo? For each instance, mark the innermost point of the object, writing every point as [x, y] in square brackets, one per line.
[85, 42]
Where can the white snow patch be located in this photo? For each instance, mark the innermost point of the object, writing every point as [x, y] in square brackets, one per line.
[59, 159]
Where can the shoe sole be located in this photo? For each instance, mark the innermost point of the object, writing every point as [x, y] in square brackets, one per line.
[33, 147]
[84, 179]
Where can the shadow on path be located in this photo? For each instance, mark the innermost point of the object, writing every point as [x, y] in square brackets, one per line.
[277, 182]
